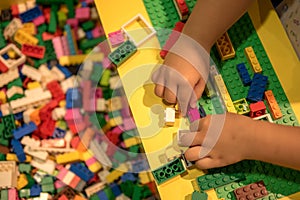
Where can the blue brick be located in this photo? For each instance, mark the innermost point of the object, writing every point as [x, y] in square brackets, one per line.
[31, 14]
[140, 165]
[59, 133]
[102, 195]
[18, 116]
[24, 130]
[73, 98]
[18, 150]
[35, 190]
[64, 70]
[70, 39]
[89, 35]
[244, 75]
[83, 4]
[128, 177]
[116, 189]
[257, 88]
[5, 56]
[82, 171]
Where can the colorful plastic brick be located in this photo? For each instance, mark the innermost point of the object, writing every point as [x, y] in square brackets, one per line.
[265, 117]
[257, 109]
[193, 114]
[8, 170]
[145, 27]
[182, 9]
[22, 37]
[251, 191]
[24, 130]
[169, 116]
[241, 106]
[225, 47]
[257, 88]
[172, 39]
[83, 172]
[243, 72]
[116, 38]
[169, 171]
[273, 105]
[15, 60]
[252, 59]
[122, 53]
[31, 14]
[33, 51]
[18, 149]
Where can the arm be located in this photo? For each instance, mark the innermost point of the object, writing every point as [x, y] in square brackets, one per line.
[243, 138]
[182, 78]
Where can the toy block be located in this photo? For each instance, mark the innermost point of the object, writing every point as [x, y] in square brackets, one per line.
[252, 59]
[224, 94]
[31, 72]
[116, 38]
[52, 27]
[12, 27]
[244, 75]
[33, 51]
[216, 180]
[182, 9]
[138, 36]
[12, 62]
[168, 171]
[18, 150]
[31, 14]
[58, 47]
[93, 189]
[193, 114]
[22, 181]
[8, 170]
[225, 47]
[257, 88]
[266, 117]
[24, 130]
[29, 28]
[241, 106]
[74, 156]
[39, 20]
[257, 109]
[169, 117]
[83, 172]
[72, 44]
[172, 39]
[273, 105]
[14, 90]
[253, 191]
[22, 37]
[82, 13]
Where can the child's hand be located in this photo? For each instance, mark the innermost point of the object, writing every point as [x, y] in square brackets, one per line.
[181, 79]
[219, 140]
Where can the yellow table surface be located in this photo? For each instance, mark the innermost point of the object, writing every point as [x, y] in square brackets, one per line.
[147, 109]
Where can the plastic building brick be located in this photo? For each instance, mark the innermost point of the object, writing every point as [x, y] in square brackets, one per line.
[182, 9]
[13, 62]
[215, 180]
[91, 43]
[266, 117]
[122, 53]
[53, 19]
[58, 47]
[172, 39]
[71, 40]
[257, 88]
[31, 72]
[144, 24]
[24, 130]
[18, 149]
[224, 94]
[252, 59]
[8, 170]
[33, 51]
[22, 37]
[193, 114]
[22, 181]
[8, 77]
[29, 28]
[2, 39]
[83, 172]
[116, 38]
[169, 171]
[273, 105]
[243, 72]
[251, 191]
[12, 27]
[93, 189]
[82, 13]
[225, 47]
[241, 106]
[31, 14]
[257, 109]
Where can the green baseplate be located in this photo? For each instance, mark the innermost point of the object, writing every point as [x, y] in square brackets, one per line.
[279, 181]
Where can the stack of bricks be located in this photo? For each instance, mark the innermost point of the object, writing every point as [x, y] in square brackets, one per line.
[65, 132]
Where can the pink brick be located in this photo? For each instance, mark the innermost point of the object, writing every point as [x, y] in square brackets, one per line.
[65, 45]
[125, 112]
[62, 173]
[128, 124]
[98, 31]
[116, 38]
[91, 161]
[12, 194]
[58, 184]
[39, 20]
[98, 93]
[73, 22]
[58, 47]
[73, 114]
[117, 130]
[193, 114]
[82, 13]
[106, 63]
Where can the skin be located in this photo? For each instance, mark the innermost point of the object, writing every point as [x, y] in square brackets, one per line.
[241, 137]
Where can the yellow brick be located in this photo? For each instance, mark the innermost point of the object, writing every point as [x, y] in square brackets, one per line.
[3, 97]
[224, 94]
[119, 171]
[95, 167]
[62, 103]
[29, 28]
[131, 141]
[22, 37]
[78, 59]
[145, 177]
[22, 181]
[68, 157]
[252, 59]
[212, 194]
[86, 155]
[295, 196]
[12, 54]
[33, 85]
[225, 47]
[116, 121]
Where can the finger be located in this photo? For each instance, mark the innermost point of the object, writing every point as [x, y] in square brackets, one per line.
[183, 97]
[193, 153]
[158, 79]
[159, 90]
[170, 92]
[207, 163]
[188, 139]
[197, 93]
[194, 126]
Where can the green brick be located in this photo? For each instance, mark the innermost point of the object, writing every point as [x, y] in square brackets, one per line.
[17, 82]
[4, 194]
[88, 25]
[25, 168]
[122, 53]
[241, 106]
[86, 44]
